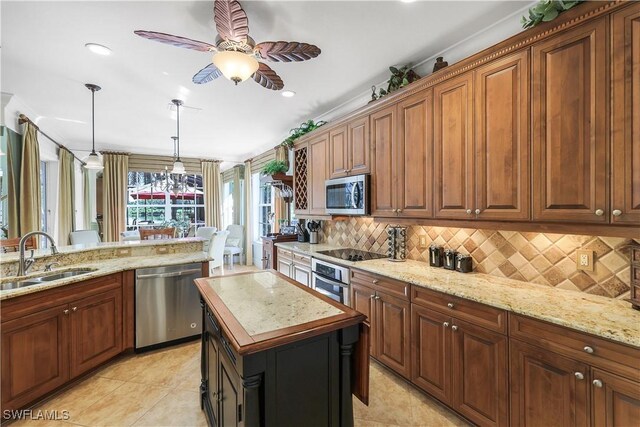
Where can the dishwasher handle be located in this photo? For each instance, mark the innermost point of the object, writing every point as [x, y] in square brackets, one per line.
[172, 274]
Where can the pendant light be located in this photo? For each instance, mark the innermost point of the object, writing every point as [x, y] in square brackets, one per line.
[178, 166]
[93, 161]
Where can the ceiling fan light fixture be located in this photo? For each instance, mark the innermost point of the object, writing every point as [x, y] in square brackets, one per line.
[235, 66]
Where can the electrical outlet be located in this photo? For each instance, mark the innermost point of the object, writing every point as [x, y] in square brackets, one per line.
[162, 250]
[584, 259]
[423, 242]
[124, 252]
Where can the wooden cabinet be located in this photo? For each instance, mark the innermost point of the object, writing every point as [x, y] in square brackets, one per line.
[414, 151]
[453, 141]
[284, 265]
[294, 265]
[384, 158]
[570, 137]
[301, 185]
[230, 393]
[35, 355]
[362, 300]
[318, 173]
[349, 149]
[616, 400]
[502, 139]
[301, 274]
[625, 124]
[96, 330]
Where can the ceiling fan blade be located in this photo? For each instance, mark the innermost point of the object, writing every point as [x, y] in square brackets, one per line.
[231, 20]
[267, 77]
[281, 51]
[176, 41]
[208, 73]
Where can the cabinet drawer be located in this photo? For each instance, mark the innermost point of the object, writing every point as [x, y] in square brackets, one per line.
[284, 253]
[595, 351]
[382, 284]
[474, 312]
[302, 259]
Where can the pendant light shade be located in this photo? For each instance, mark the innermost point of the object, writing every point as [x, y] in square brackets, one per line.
[178, 168]
[93, 161]
[236, 66]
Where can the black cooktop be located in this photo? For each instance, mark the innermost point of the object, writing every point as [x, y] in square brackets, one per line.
[352, 254]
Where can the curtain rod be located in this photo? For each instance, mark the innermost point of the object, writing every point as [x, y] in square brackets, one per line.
[22, 119]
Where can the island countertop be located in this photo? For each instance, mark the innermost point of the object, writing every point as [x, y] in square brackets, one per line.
[266, 309]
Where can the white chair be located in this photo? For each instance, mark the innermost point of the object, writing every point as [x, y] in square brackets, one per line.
[206, 233]
[128, 236]
[216, 250]
[84, 237]
[235, 242]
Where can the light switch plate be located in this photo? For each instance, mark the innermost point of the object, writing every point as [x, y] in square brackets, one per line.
[124, 252]
[162, 250]
[584, 259]
[423, 242]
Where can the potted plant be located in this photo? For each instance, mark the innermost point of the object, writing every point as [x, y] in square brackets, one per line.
[400, 77]
[275, 167]
[304, 128]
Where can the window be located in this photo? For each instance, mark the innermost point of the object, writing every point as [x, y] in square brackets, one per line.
[262, 207]
[150, 204]
[227, 204]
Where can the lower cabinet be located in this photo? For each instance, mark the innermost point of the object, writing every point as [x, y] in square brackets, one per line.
[463, 365]
[615, 400]
[295, 266]
[51, 337]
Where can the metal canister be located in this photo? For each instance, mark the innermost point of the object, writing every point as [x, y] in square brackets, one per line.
[450, 259]
[435, 256]
[464, 263]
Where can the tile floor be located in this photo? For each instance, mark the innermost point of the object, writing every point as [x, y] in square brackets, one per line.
[160, 388]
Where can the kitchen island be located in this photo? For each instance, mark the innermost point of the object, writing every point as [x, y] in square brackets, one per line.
[275, 353]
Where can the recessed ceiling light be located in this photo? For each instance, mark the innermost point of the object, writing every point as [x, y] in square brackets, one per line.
[288, 93]
[98, 48]
[407, 1]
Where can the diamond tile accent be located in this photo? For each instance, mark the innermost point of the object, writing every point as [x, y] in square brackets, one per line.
[544, 258]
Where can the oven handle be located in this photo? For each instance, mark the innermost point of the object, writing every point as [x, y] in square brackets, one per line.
[325, 293]
[315, 276]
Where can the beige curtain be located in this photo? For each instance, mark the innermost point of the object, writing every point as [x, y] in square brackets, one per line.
[29, 199]
[66, 192]
[86, 197]
[248, 219]
[114, 194]
[14, 156]
[212, 184]
[279, 205]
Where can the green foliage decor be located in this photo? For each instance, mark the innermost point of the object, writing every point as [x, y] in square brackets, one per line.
[275, 166]
[546, 10]
[400, 77]
[304, 128]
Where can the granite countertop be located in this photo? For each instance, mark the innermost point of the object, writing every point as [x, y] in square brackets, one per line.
[605, 317]
[103, 268]
[265, 309]
[39, 253]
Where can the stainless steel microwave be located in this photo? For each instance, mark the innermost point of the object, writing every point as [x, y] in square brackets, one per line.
[347, 196]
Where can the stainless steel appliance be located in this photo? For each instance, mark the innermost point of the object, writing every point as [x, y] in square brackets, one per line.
[331, 280]
[352, 255]
[167, 304]
[347, 196]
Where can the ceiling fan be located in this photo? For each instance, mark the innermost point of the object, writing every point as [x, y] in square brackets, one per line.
[235, 53]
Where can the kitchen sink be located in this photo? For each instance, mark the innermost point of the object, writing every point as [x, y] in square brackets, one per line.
[45, 278]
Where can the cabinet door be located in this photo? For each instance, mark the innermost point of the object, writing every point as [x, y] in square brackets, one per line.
[616, 401]
[35, 356]
[431, 351]
[301, 274]
[453, 143]
[502, 138]
[359, 148]
[546, 388]
[384, 158]
[362, 300]
[96, 330]
[284, 266]
[480, 374]
[414, 185]
[569, 81]
[213, 380]
[230, 395]
[318, 166]
[625, 170]
[393, 330]
[338, 152]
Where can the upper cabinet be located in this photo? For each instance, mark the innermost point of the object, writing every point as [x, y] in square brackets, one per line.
[384, 157]
[349, 149]
[502, 139]
[625, 170]
[570, 137]
[453, 140]
[318, 152]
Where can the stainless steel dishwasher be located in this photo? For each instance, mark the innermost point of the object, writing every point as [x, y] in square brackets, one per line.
[167, 305]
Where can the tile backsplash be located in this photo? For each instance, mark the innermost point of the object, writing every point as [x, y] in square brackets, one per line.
[543, 258]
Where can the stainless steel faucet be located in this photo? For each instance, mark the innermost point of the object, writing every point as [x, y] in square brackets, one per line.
[25, 265]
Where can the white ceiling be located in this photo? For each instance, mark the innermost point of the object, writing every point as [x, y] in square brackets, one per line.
[45, 63]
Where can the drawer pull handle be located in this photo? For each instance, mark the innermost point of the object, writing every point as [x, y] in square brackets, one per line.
[445, 324]
[377, 297]
[468, 211]
[616, 212]
[579, 375]
[599, 212]
[588, 349]
[74, 309]
[478, 211]
[450, 305]
[454, 328]
[372, 296]
[66, 311]
[597, 383]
